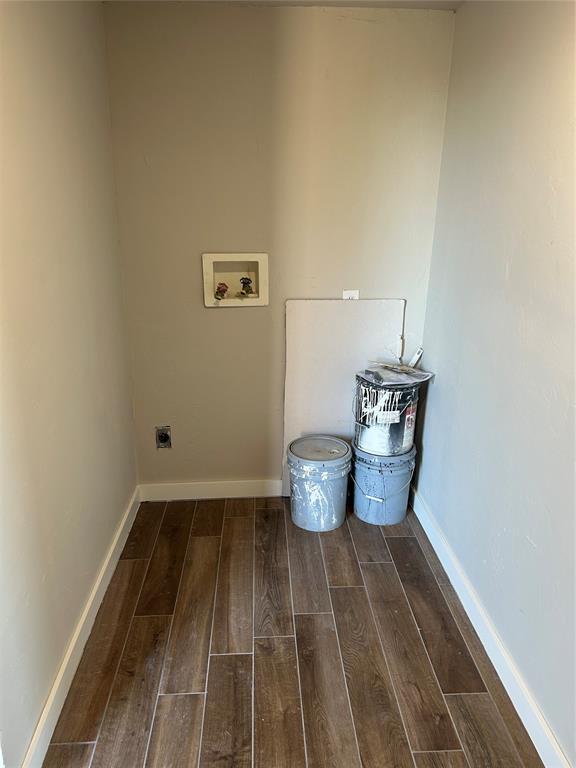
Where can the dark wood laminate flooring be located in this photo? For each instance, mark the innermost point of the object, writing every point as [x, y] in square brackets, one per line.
[450, 657]
[142, 537]
[227, 733]
[382, 740]
[175, 739]
[85, 704]
[163, 576]
[278, 738]
[420, 699]
[68, 756]
[330, 737]
[484, 736]
[233, 620]
[440, 760]
[272, 601]
[230, 638]
[342, 569]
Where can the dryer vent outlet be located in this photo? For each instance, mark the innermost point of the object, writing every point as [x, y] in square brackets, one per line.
[163, 437]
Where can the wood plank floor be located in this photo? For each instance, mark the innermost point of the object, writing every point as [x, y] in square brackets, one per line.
[230, 638]
[452, 662]
[278, 738]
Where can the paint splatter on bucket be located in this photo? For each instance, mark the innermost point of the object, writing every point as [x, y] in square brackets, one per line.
[319, 467]
[385, 408]
[381, 486]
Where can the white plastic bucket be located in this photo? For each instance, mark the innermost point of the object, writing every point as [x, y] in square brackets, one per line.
[381, 486]
[319, 467]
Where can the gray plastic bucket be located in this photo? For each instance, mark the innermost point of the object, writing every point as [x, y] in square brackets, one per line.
[381, 486]
[319, 467]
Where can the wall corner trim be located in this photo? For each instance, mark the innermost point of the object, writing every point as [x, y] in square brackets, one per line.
[57, 695]
[524, 702]
[210, 489]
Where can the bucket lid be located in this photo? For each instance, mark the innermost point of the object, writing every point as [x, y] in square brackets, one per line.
[390, 375]
[320, 449]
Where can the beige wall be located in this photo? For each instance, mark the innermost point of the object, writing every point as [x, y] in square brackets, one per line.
[497, 462]
[311, 133]
[66, 453]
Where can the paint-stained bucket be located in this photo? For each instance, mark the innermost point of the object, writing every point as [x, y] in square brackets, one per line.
[385, 408]
[381, 486]
[390, 430]
[319, 467]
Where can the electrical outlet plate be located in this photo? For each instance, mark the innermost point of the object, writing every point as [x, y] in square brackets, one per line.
[349, 294]
[163, 437]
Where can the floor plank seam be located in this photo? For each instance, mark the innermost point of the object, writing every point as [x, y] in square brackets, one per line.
[286, 512]
[210, 643]
[270, 637]
[346, 586]
[126, 638]
[168, 636]
[383, 651]
[373, 562]
[468, 693]
[183, 693]
[155, 707]
[340, 653]
[241, 517]
[67, 743]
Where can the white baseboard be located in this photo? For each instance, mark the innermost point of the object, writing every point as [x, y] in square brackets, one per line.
[210, 489]
[49, 717]
[528, 710]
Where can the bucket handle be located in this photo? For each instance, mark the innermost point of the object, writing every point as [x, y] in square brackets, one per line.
[377, 498]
